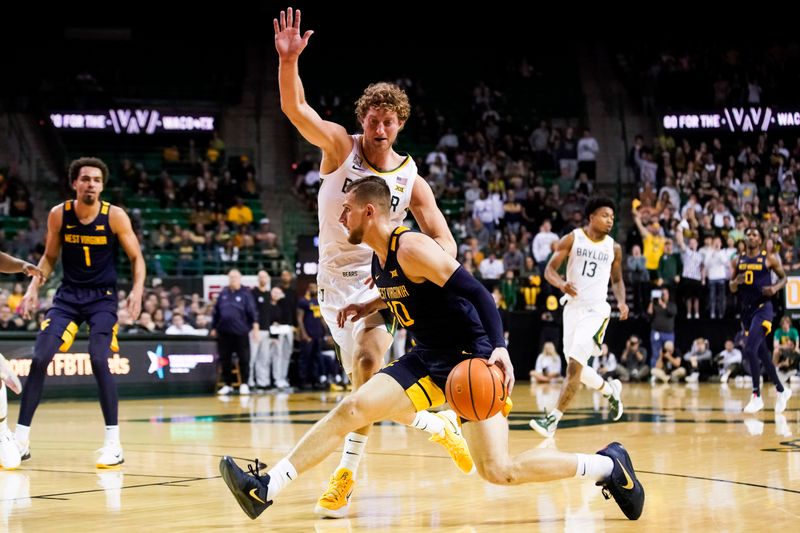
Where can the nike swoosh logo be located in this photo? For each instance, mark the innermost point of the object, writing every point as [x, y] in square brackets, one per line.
[70, 226]
[629, 484]
[256, 498]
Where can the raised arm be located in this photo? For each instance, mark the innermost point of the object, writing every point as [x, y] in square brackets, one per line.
[617, 283]
[637, 218]
[47, 263]
[329, 136]
[121, 226]
[430, 219]
[561, 252]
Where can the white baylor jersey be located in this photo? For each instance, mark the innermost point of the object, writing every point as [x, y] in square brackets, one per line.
[589, 267]
[335, 253]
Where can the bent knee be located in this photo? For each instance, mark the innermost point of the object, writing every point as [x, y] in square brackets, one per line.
[496, 472]
[353, 408]
[366, 364]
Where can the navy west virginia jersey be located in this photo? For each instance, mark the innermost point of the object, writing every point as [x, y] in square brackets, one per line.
[437, 319]
[756, 276]
[88, 251]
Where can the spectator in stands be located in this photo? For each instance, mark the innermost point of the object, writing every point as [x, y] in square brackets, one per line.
[239, 213]
[180, 327]
[729, 362]
[542, 245]
[483, 210]
[606, 363]
[639, 280]
[491, 268]
[632, 365]
[509, 289]
[471, 195]
[783, 336]
[216, 148]
[668, 365]
[538, 141]
[144, 324]
[669, 268]
[692, 275]
[653, 243]
[17, 293]
[548, 365]
[512, 209]
[662, 312]
[787, 361]
[587, 155]
[482, 237]
[449, 141]
[10, 321]
[717, 270]
[697, 360]
[513, 259]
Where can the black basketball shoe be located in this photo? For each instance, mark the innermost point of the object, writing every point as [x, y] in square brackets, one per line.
[622, 483]
[249, 488]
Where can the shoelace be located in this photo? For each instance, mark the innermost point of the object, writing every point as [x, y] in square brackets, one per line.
[334, 492]
[255, 471]
[548, 421]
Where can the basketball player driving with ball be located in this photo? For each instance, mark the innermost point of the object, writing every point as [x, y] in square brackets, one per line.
[452, 316]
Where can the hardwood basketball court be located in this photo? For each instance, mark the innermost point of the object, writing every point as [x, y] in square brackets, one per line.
[704, 465]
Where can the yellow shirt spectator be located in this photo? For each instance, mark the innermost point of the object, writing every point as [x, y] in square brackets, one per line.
[240, 214]
[653, 250]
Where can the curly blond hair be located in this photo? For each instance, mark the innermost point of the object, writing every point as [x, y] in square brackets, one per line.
[384, 95]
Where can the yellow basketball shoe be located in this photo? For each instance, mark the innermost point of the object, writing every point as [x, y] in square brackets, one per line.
[335, 502]
[454, 442]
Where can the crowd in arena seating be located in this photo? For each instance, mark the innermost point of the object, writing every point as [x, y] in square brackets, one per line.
[511, 190]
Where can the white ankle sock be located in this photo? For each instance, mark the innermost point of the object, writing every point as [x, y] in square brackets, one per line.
[594, 467]
[606, 389]
[112, 435]
[280, 476]
[556, 413]
[22, 433]
[427, 421]
[353, 449]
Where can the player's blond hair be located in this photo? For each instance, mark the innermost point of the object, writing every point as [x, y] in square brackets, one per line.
[384, 95]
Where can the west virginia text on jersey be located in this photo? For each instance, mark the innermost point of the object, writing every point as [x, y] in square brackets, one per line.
[88, 251]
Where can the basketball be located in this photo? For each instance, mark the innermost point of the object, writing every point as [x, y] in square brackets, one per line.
[475, 390]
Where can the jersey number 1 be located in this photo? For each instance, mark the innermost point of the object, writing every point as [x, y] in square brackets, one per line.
[87, 256]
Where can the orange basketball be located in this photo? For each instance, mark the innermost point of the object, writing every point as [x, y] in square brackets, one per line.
[475, 390]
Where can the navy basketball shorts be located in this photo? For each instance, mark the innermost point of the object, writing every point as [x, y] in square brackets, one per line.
[74, 305]
[760, 317]
[423, 373]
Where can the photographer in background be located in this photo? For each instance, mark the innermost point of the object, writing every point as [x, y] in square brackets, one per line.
[729, 361]
[698, 360]
[668, 365]
[662, 314]
[633, 362]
